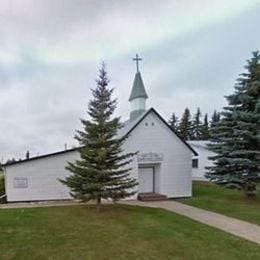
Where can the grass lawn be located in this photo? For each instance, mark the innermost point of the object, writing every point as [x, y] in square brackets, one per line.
[119, 232]
[229, 202]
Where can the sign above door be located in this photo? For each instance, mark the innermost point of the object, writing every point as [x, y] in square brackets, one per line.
[150, 157]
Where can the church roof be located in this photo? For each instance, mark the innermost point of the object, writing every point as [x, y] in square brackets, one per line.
[40, 157]
[127, 128]
[138, 89]
[204, 144]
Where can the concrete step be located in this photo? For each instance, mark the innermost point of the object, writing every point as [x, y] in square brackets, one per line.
[151, 196]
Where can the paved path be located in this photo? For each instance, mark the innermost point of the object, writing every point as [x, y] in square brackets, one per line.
[231, 225]
[22, 205]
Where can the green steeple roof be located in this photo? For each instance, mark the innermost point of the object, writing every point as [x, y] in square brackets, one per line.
[138, 89]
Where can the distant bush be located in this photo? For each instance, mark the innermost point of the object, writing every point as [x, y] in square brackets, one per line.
[2, 184]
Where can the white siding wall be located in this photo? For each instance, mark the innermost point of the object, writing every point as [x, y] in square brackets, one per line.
[198, 173]
[174, 175]
[204, 153]
[42, 175]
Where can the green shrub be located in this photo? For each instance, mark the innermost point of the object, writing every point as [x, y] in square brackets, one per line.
[2, 185]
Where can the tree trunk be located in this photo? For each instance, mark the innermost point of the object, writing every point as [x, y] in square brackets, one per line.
[251, 194]
[98, 205]
[250, 190]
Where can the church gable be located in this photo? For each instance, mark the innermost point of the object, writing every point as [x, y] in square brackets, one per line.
[148, 120]
[164, 153]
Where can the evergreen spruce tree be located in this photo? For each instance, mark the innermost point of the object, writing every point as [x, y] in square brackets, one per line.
[173, 122]
[205, 131]
[215, 118]
[102, 170]
[214, 121]
[184, 128]
[196, 126]
[2, 184]
[236, 137]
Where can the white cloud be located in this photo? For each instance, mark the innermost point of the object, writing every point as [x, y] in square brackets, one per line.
[78, 31]
[50, 52]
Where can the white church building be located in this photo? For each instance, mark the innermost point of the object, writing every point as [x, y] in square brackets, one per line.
[163, 164]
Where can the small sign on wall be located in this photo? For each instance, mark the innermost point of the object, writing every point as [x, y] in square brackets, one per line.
[20, 182]
[150, 157]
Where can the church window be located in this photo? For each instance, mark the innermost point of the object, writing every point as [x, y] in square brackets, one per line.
[152, 123]
[146, 124]
[195, 163]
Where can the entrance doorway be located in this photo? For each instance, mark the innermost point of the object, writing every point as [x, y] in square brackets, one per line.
[146, 179]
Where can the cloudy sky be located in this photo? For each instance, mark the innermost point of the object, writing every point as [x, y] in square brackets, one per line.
[50, 51]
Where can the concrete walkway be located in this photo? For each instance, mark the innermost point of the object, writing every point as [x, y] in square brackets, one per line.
[43, 204]
[234, 226]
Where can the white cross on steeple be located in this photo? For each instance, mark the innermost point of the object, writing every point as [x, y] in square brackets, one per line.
[137, 59]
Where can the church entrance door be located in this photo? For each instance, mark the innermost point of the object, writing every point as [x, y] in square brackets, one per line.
[146, 179]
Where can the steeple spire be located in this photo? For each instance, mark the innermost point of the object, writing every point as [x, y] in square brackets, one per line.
[138, 94]
[138, 90]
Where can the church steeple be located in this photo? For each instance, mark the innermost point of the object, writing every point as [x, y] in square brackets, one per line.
[138, 94]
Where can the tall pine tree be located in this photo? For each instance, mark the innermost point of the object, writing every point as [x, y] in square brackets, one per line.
[215, 118]
[214, 121]
[184, 128]
[102, 170]
[173, 122]
[205, 132]
[196, 126]
[236, 137]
